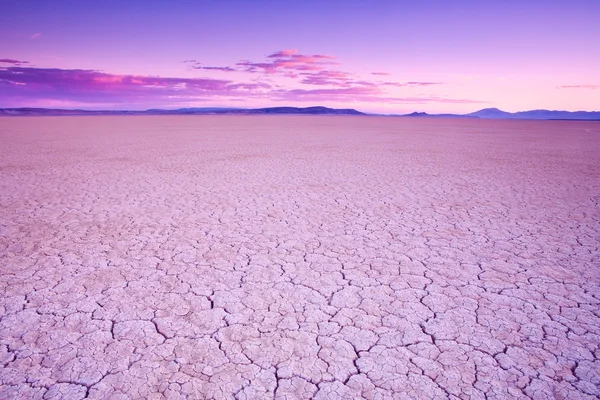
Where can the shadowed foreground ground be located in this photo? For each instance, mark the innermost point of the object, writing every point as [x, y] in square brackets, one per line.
[297, 257]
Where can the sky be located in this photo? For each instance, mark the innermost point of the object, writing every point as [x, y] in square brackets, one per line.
[375, 56]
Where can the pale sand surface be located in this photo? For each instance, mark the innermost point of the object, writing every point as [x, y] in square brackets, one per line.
[296, 257]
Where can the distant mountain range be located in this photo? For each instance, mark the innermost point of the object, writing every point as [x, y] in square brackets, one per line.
[318, 110]
[494, 113]
[486, 113]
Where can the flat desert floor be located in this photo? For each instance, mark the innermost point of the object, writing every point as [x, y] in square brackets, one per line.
[296, 257]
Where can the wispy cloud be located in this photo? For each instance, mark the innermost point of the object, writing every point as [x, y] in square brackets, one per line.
[593, 87]
[283, 53]
[284, 75]
[81, 79]
[195, 64]
[408, 84]
[223, 69]
[423, 83]
[287, 61]
[315, 69]
[327, 77]
[36, 35]
[95, 86]
[13, 62]
[352, 93]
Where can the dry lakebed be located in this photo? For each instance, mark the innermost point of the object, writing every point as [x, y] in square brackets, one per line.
[297, 257]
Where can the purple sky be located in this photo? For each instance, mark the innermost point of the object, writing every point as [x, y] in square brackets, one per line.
[378, 56]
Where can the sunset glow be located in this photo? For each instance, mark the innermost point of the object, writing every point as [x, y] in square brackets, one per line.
[383, 56]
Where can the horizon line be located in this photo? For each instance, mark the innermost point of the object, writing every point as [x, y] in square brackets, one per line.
[415, 112]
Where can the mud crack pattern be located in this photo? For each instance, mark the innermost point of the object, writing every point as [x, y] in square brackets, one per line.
[299, 257]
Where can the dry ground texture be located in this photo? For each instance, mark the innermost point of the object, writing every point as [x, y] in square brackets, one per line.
[295, 257]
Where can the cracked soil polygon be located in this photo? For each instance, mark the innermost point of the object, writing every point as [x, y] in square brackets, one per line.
[295, 257]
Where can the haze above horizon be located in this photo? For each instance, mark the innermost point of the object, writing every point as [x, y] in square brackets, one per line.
[381, 57]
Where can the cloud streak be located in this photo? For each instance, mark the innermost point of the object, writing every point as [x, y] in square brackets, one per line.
[222, 69]
[592, 87]
[409, 84]
[315, 70]
[327, 77]
[90, 86]
[313, 78]
[288, 62]
[285, 62]
[12, 62]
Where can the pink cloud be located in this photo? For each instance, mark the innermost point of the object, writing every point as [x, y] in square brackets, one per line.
[424, 83]
[36, 35]
[310, 70]
[593, 87]
[293, 53]
[249, 86]
[327, 77]
[283, 53]
[279, 65]
[285, 61]
[96, 87]
[449, 101]
[405, 84]
[327, 84]
[333, 92]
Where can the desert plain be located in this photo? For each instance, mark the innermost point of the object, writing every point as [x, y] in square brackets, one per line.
[297, 257]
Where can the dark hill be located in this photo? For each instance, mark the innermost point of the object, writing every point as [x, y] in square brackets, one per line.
[317, 110]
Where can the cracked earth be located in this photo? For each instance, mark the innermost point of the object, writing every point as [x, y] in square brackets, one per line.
[255, 257]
